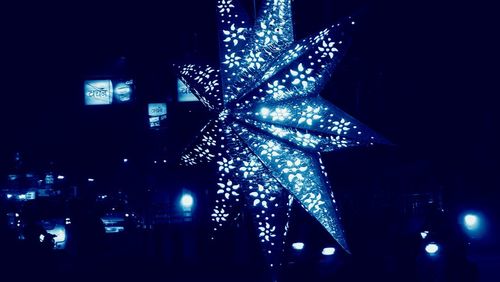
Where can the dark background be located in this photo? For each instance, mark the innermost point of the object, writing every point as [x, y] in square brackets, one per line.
[422, 73]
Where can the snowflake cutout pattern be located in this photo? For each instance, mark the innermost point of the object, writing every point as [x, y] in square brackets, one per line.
[270, 125]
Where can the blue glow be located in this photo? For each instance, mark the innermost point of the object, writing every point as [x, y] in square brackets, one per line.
[157, 109]
[98, 92]
[187, 201]
[298, 246]
[270, 125]
[59, 232]
[113, 223]
[471, 222]
[432, 248]
[113, 229]
[157, 113]
[123, 91]
[30, 195]
[184, 94]
[264, 111]
[328, 251]
[107, 91]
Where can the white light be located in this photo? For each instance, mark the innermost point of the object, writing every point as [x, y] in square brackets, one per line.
[126, 215]
[42, 237]
[91, 179]
[164, 161]
[264, 112]
[114, 229]
[60, 177]
[16, 214]
[432, 248]
[187, 201]
[30, 195]
[125, 160]
[298, 246]
[9, 196]
[471, 221]
[424, 234]
[59, 233]
[22, 197]
[328, 251]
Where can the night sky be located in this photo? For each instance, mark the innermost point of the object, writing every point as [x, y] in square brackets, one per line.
[419, 72]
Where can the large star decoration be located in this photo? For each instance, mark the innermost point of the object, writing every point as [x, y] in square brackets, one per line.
[270, 124]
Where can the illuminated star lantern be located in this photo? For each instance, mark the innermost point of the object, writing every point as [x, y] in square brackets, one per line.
[270, 125]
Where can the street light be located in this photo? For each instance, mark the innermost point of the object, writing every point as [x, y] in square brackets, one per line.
[328, 251]
[187, 201]
[298, 246]
[432, 249]
[471, 221]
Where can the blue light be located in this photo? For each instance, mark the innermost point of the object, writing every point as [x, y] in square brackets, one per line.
[471, 222]
[298, 246]
[187, 201]
[269, 123]
[328, 251]
[432, 248]
[114, 229]
[264, 112]
[122, 89]
[474, 224]
[59, 233]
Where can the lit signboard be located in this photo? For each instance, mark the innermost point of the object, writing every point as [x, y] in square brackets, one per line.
[183, 93]
[157, 114]
[108, 91]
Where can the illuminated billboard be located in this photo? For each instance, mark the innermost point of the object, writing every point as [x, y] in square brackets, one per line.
[183, 93]
[108, 91]
[157, 114]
